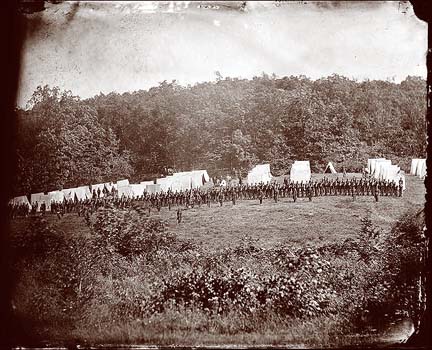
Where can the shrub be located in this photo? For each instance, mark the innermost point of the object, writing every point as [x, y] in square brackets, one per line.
[131, 232]
[132, 268]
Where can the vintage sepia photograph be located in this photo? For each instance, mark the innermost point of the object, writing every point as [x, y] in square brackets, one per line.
[219, 173]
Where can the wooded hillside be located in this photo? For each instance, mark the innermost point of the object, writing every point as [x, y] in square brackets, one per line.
[63, 141]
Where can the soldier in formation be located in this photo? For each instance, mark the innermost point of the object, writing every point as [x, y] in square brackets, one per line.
[188, 198]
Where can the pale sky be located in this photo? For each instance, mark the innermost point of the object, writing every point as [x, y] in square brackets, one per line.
[126, 46]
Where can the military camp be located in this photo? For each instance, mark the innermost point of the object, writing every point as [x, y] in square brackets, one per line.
[218, 174]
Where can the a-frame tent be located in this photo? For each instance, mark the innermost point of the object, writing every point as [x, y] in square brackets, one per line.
[330, 168]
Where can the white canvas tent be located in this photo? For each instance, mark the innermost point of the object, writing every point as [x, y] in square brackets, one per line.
[83, 193]
[165, 183]
[40, 198]
[330, 168]
[153, 188]
[421, 168]
[122, 183]
[372, 164]
[145, 183]
[137, 190]
[123, 188]
[20, 200]
[414, 163]
[69, 193]
[379, 169]
[125, 191]
[181, 182]
[390, 173]
[199, 178]
[300, 171]
[259, 174]
[56, 196]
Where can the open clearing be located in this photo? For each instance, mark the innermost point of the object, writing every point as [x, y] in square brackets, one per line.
[325, 219]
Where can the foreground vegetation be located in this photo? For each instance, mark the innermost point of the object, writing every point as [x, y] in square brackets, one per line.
[130, 278]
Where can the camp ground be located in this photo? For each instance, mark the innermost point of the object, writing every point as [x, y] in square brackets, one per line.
[220, 174]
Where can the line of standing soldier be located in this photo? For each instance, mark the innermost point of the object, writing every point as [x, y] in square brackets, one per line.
[197, 197]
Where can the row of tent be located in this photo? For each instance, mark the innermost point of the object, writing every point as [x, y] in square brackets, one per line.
[80, 193]
[380, 168]
[184, 180]
[300, 172]
[418, 167]
[383, 169]
[177, 182]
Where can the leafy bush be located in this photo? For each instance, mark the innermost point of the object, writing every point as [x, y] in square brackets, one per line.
[131, 268]
[131, 232]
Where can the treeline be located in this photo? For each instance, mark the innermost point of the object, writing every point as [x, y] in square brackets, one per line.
[225, 126]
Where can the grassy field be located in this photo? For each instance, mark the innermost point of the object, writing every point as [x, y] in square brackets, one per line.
[322, 220]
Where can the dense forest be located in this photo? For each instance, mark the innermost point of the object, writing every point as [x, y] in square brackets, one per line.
[225, 126]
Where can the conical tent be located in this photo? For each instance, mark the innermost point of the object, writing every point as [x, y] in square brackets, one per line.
[330, 168]
[300, 171]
